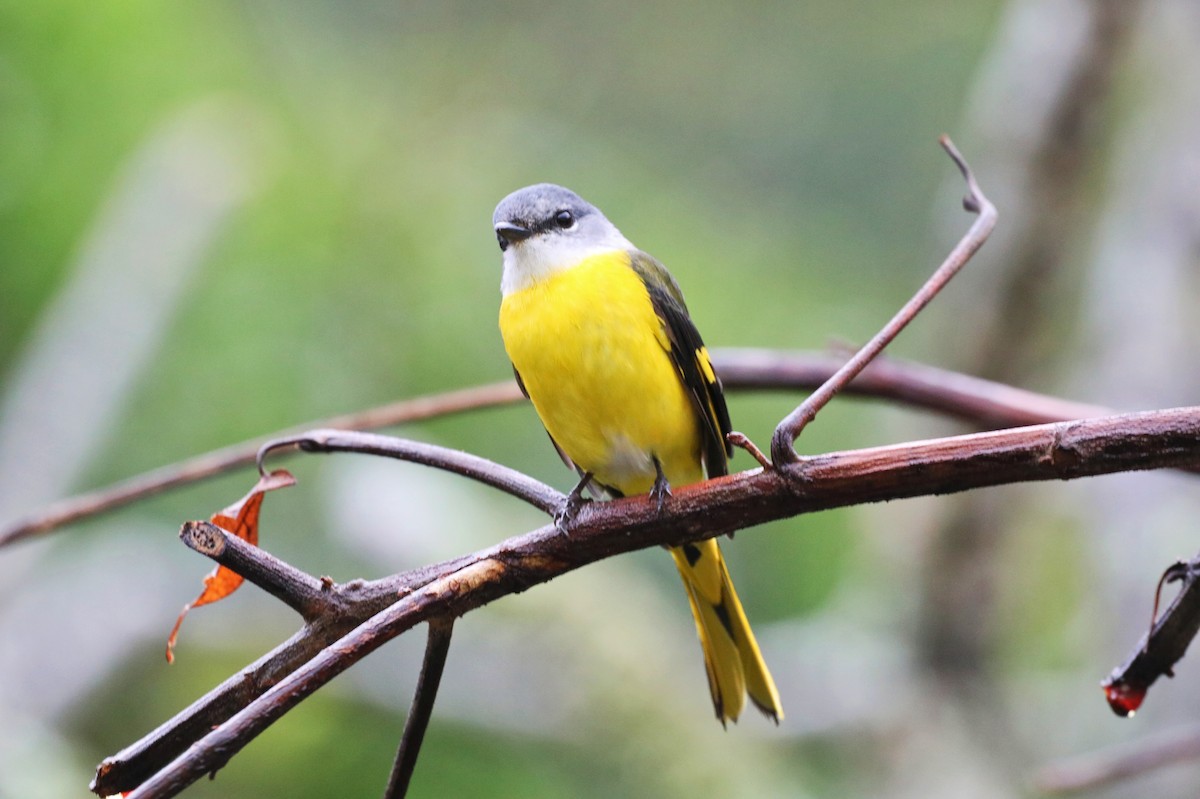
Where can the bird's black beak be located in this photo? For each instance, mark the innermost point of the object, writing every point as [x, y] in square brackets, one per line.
[507, 233]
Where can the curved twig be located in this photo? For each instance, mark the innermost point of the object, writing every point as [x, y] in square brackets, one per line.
[510, 481]
[782, 451]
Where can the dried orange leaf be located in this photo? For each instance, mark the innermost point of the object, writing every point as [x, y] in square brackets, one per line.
[240, 519]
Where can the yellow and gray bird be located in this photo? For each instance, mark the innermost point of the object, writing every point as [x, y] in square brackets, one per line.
[602, 344]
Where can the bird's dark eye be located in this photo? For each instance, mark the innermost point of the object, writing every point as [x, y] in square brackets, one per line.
[503, 242]
[565, 219]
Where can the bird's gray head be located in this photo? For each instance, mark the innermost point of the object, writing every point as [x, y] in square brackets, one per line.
[543, 229]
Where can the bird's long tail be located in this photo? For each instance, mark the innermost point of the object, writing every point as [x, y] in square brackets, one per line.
[731, 656]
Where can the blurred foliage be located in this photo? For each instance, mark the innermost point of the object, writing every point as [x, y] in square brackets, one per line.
[779, 157]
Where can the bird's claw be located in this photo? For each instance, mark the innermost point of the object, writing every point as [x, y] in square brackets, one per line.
[571, 505]
[661, 488]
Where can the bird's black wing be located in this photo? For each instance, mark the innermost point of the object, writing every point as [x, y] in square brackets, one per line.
[691, 359]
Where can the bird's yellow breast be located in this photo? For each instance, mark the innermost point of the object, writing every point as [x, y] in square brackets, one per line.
[594, 357]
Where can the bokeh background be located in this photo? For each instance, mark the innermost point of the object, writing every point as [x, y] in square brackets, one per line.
[219, 220]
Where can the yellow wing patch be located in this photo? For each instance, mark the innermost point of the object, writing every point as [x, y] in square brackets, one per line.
[705, 363]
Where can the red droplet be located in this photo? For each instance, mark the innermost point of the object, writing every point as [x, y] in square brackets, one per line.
[1124, 699]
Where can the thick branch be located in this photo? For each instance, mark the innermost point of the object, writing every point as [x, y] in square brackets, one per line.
[357, 600]
[1158, 439]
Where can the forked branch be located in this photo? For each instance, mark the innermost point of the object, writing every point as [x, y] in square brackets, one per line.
[1158, 439]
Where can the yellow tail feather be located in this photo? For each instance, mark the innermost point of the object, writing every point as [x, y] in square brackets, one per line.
[731, 655]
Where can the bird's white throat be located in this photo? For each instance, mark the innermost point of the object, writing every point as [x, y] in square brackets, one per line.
[537, 258]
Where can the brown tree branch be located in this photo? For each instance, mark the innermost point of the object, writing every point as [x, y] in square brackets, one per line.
[1151, 440]
[220, 461]
[437, 646]
[987, 403]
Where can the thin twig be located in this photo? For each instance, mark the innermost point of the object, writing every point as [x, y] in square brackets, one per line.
[1157, 439]
[437, 645]
[226, 459]
[510, 481]
[782, 451]
[989, 404]
[742, 441]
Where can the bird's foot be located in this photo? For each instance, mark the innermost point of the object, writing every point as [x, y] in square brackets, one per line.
[571, 505]
[661, 488]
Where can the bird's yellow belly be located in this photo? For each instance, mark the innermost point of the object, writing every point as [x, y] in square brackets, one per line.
[594, 358]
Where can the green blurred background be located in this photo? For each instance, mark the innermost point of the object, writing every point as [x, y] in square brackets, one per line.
[218, 220]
